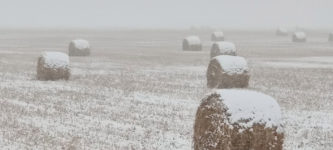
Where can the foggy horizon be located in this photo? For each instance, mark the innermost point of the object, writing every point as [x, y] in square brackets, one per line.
[166, 14]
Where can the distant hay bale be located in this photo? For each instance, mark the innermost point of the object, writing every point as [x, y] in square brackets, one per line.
[53, 66]
[79, 47]
[226, 71]
[223, 48]
[281, 32]
[299, 37]
[330, 37]
[192, 43]
[231, 119]
[217, 36]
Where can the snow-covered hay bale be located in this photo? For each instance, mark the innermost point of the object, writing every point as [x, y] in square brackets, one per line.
[299, 37]
[282, 32]
[79, 47]
[192, 43]
[53, 66]
[223, 48]
[227, 71]
[217, 36]
[233, 119]
[330, 37]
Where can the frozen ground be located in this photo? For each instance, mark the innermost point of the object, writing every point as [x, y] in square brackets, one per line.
[138, 90]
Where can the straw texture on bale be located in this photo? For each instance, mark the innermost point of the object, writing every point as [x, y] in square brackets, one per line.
[79, 47]
[223, 48]
[281, 32]
[330, 37]
[53, 66]
[226, 71]
[192, 43]
[214, 128]
[217, 36]
[299, 37]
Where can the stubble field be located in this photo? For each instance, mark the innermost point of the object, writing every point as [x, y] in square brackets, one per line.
[139, 90]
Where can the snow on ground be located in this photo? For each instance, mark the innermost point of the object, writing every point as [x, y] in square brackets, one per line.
[308, 130]
[123, 97]
[10, 52]
[300, 62]
[288, 64]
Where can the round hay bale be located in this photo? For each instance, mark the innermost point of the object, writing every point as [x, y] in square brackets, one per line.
[192, 43]
[234, 119]
[226, 71]
[299, 37]
[217, 36]
[281, 32]
[53, 66]
[79, 47]
[223, 48]
[330, 37]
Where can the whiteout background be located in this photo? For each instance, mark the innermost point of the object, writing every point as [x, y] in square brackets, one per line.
[165, 13]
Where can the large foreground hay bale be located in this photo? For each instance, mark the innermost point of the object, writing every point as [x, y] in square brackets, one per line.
[53, 66]
[223, 48]
[330, 37]
[217, 36]
[79, 47]
[192, 43]
[226, 71]
[281, 32]
[232, 119]
[299, 37]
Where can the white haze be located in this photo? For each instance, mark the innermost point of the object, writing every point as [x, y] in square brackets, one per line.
[166, 13]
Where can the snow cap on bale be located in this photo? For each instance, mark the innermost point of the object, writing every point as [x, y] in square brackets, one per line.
[55, 59]
[53, 66]
[223, 48]
[281, 31]
[299, 37]
[79, 47]
[254, 107]
[217, 36]
[232, 64]
[192, 43]
[330, 37]
[227, 71]
[238, 119]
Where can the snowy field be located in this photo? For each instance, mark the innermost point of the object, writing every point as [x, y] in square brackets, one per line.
[139, 90]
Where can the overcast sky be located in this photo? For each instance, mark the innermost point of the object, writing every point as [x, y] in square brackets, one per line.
[166, 13]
